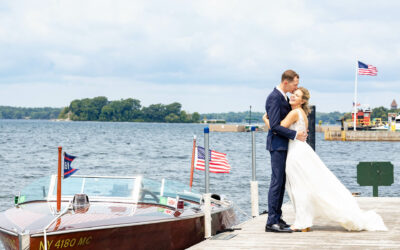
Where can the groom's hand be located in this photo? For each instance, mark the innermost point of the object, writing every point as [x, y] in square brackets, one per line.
[302, 136]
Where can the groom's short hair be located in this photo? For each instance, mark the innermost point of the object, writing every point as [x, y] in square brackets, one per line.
[289, 75]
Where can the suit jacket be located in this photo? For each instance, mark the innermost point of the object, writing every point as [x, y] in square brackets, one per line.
[277, 108]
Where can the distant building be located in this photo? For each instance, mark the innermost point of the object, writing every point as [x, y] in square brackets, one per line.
[393, 105]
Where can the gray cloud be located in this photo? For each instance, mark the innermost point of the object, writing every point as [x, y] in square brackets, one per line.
[209, 55]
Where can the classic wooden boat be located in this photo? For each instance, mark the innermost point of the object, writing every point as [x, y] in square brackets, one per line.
[109, 213]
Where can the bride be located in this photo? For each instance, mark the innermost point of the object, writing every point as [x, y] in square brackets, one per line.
[313, 189]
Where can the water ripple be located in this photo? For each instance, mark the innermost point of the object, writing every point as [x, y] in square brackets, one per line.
[28, 150]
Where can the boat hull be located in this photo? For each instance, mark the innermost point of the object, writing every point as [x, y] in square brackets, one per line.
[174, 234]
[9, 241]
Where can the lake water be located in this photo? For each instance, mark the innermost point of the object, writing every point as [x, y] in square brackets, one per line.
[28, 150]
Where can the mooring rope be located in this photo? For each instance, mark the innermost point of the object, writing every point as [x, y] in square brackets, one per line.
[234, 204]
[240, 210]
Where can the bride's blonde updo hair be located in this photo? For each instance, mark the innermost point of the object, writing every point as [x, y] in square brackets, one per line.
[306, 97]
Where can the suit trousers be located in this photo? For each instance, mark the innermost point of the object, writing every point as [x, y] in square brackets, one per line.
[277, 186]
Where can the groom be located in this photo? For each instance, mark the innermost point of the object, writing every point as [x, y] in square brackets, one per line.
[277, 107]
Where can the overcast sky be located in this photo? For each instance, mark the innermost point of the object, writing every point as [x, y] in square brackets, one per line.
[211, 56]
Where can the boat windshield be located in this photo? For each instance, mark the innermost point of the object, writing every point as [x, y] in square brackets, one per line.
[98, 187]
[166, 191]
[121, 189]
[37, 190]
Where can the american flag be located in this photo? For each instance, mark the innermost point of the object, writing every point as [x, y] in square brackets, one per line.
[218, 162]
[364, 69]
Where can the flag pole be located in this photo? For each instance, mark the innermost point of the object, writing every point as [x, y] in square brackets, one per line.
[59, 181]
[206, 160]
[207, 195]
[192, 164]
[355, 99]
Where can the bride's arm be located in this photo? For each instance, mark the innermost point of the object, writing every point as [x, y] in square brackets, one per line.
[291, 118]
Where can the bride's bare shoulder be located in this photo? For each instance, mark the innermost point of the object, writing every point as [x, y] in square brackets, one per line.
[293, 114]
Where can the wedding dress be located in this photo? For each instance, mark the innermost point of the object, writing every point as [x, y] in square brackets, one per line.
[316, 192]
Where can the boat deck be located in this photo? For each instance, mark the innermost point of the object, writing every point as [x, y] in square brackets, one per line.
[324, 235]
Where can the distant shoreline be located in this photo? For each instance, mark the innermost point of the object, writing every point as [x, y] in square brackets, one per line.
[158, 113]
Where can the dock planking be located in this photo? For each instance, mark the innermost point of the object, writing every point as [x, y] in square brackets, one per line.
[324, 234]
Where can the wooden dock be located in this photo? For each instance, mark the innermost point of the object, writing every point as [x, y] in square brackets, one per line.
[361, 135]
[319, 128]
[324, 234]
[226, 128]
[234, 128]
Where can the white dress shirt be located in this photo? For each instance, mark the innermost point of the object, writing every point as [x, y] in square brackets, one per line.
[284, 95]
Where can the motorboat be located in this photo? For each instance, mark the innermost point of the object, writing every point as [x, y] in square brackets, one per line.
[394, 125]
[110, 212]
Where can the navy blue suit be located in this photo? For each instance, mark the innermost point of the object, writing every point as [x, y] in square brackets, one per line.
[277, 107]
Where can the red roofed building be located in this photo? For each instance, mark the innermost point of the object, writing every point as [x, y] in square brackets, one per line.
[393, 105]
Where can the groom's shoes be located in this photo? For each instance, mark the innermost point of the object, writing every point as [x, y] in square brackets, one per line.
[283, 224]
[276, 228]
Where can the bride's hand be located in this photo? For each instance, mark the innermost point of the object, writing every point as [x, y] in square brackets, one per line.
[301, 135]
[266, 120]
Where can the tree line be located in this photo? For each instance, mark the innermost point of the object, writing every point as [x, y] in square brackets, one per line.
[256, 117]
[239, 117]
[7, 112]
[334, 117]
[100, 109]
[125, 110]
[323, 117]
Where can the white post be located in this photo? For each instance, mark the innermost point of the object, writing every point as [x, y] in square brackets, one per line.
[253, 182]
[207, 215]
[355, 99]
[254, 198]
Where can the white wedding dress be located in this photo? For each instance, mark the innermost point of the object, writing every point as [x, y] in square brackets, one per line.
[316, 192]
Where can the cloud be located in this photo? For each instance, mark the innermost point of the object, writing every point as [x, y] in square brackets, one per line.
[209, 55]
